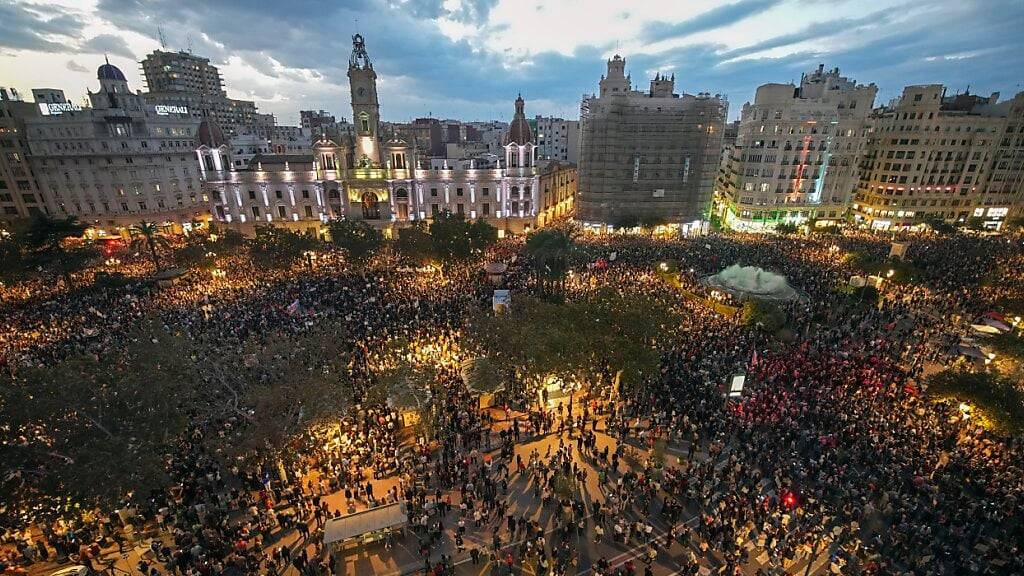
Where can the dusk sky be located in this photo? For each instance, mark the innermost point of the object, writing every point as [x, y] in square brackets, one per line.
[468, 59]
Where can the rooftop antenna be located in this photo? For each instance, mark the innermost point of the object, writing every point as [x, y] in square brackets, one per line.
[160, 34]
[189, 43]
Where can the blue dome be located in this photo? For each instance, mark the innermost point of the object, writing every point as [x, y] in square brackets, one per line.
[109, 72]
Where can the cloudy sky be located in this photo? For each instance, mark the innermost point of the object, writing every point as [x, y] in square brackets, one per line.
[468, 58]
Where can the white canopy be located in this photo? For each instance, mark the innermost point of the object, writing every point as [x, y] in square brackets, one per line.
[353, 525]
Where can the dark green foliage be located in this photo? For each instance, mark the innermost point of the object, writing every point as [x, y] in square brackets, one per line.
[940, 226]
[359, 239]
[147, 235]
[414, 243]
[549, 251]
[452, 236]
[590, 339]
[763, 314]
[998, 398]
[275, 247]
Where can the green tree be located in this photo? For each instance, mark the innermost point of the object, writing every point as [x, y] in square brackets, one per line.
[625, 220]
[1015, 224]
[589, 340]
[976, 223]
[359, 239]
[651, 221]
[147, 235]
[12, 254]
[198, 253]
[46, 243]
[940, 226]
[763, 314]
[998, 399]
[784, 228]
[415, 243]
[482, 235]
[451, 236]
[274, 247]
[549, 251]
[93, 431]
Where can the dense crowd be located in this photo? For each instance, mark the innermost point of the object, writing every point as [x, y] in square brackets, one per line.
[834, 450]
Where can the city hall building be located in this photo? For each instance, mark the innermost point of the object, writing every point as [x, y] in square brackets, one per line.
[363, 176]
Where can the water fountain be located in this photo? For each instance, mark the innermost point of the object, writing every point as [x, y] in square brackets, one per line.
[753, 282]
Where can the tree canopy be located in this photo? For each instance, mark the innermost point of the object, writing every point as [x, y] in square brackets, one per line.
[455, 238]
[359, 239]
[589, 339]
[276, 247]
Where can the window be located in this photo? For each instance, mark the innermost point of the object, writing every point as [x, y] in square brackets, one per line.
[281, 212]
[486, 191]
[458, 191]
[255, 211]
[487, 208]
[461, 209]
[433, 210]
[278, 195]
[252, 194]
[433, 192]
[309, 211]
[305, 194]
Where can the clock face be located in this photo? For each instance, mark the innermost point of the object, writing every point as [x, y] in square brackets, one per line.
[361, 91]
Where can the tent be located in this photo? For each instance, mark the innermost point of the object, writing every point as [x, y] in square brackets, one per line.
[971, 351]
[997, 324]
[362, 524]
[985, 329]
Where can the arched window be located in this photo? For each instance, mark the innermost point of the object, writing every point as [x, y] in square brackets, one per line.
[364, 122]
[371, 208]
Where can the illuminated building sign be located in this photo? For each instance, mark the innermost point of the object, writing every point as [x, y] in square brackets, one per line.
[163, 110]
[57, 108]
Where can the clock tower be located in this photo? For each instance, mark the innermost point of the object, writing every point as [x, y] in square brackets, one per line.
[365, 108]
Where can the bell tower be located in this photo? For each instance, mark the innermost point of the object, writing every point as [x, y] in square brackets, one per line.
[365, 108]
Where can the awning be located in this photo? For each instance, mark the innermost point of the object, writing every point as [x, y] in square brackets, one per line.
[354, 525]
[997, 324]
[971, 351]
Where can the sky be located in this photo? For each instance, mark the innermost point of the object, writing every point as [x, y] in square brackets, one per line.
[468, 59]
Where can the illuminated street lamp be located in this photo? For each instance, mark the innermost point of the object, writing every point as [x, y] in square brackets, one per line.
[663, 266]
[890, 273]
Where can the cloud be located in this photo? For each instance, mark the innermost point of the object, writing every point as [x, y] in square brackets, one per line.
[469, 58]
[27, 27]
[108, 44]
[718, 17]
[76, 67]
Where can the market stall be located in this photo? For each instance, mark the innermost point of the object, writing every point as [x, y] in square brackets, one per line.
[365, 527]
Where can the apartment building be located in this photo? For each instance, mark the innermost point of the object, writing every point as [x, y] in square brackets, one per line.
[952, 158]
[796, 152]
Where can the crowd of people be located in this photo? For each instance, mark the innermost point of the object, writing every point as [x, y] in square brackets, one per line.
[833, 454]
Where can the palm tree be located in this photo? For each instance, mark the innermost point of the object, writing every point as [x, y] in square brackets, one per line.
[148, 233]
[549, 250]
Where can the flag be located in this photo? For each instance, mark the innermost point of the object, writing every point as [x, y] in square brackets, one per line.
[753, 358]
[293, 308]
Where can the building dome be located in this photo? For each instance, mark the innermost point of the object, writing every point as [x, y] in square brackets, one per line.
[109, 72]
[210, 134]
[519, 130]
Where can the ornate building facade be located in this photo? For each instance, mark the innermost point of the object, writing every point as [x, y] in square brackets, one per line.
[364, 177]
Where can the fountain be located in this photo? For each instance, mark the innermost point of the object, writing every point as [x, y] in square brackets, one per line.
[753, 282]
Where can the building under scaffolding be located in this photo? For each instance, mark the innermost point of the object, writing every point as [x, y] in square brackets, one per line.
[647, 156]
